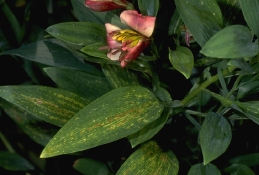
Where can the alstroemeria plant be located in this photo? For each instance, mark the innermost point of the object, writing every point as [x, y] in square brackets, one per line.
[106, 5]
[127, 45]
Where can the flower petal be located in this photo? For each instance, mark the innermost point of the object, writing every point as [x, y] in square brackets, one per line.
[142, 24]
[104, 5]
[113, 44]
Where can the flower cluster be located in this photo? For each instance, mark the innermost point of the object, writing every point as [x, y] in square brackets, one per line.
[125, 45]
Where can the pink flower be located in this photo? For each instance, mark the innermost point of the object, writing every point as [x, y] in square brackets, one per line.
[127, 45]
[143, 24]
[124, 45]
[106, 5]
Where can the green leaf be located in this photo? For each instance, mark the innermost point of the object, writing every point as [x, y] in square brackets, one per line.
[86, 85]
[231, 42]
[148, 8]
[53, 53]
[242, 64]
[246, 88]
[120, 77]
[202, 17]
[115, 115]
[89, 166]
[215, 136]
[250, 9]
[18, 31]
[250, 109]
[14, 162]
[248, 159]
[150, 159]
[78, 33]
[224, 101]
[200, 169]
[38, 130]
[239, 169]
[149, 130]
[53, 105]
[182, 59]
[95, 51]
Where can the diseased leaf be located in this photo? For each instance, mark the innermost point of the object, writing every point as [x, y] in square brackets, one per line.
[150, 159]
[14, 162]
[200, 169]
[182, 59]
[115, 115]
[250, 9]
[53, 53]
[53, 105]
[38, 130]
[120, 77]
[86, 85]
[231, 42]
[203, 18]
[215, 136]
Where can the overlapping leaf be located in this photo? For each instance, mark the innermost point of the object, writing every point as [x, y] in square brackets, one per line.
[86, 85]
[117, 114]
[231, 42]
[53, 53]
[78, 33]
[120, 77]
[38, 130]
[215, 136]
[203, 18]
[53, 105]
[150, 159]
[200, 169]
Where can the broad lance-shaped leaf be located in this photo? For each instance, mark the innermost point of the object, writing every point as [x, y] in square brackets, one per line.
[231, 42]
[250, 9]
[200, 169]
[53, 105]
[149, 130]
[182, 59]
[215, 136]
[51, 52]
[150, 159]
[78, 33]
[115, 115]
[38, 130]
[86, 85]
[203, 18]
[120, 77]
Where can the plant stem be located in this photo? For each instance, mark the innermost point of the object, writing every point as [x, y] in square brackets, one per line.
[205, 84]
[6, 143]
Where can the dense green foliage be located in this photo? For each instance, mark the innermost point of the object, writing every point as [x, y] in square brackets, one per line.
[189, 104]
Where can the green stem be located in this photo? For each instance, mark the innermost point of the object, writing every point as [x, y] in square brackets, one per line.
[205, 84]
[13, 21]
[6, 143]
